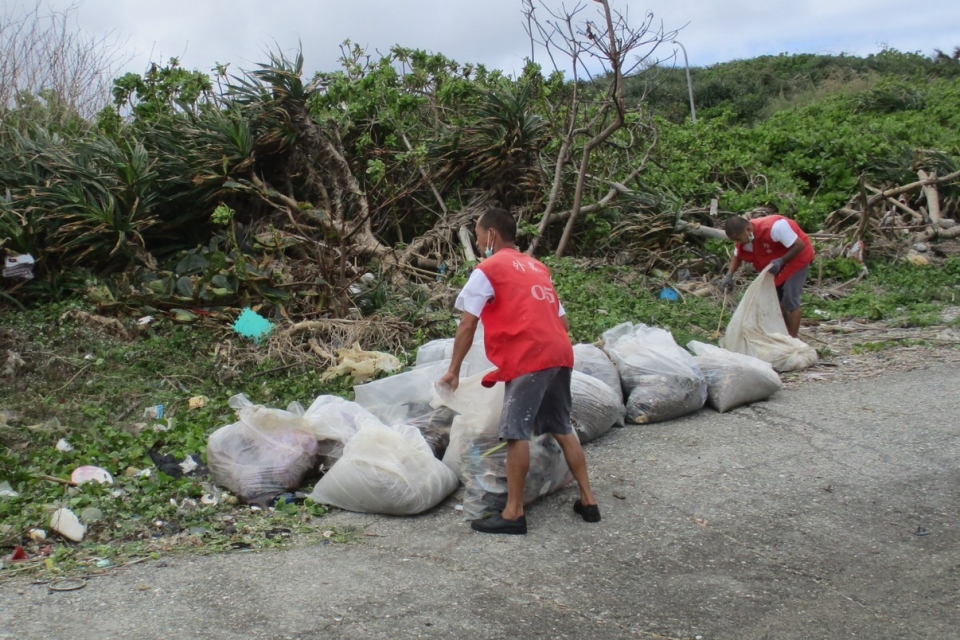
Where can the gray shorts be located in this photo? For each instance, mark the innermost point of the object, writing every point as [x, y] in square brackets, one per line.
[535, 404]
[789, 292]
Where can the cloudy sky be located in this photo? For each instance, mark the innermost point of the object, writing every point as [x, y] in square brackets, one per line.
[204, 32]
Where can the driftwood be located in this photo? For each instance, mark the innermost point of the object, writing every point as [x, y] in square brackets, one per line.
[897, 216]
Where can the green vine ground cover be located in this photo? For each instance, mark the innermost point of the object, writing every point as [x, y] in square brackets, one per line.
[91, 390]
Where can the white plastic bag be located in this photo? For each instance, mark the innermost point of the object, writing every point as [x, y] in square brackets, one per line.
[266, 453]
[757, 329]
[333, 421]
[474, 361]
[596, 407]
[403, 397]
[386, 470]
[660, 378]
[478, 456]
[734, 379]
[591, 360]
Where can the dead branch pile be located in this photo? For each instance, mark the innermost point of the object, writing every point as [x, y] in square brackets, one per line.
[896, 217]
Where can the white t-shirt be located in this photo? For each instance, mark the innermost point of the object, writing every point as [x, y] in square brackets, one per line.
[780, 232]
[477, 293]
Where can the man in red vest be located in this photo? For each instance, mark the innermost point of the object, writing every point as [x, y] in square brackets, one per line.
[780, 242]
[526, 338]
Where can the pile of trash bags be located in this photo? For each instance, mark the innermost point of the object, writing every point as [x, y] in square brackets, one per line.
[404, 447]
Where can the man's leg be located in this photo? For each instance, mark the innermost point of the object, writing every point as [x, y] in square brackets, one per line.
[577, 462]
[790, 294]
[793, 321]
[518, 465]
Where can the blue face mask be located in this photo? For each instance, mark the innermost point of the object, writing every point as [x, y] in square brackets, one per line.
[489, 251]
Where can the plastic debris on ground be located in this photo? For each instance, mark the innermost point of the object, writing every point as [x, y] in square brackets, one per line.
[66, 523]
[596, 408]
[63, 445]
[361, 365]
[479, 457]
[661, 378]
[197, 402]
[84, 474]
[6, 491]
[734, 379]
[252, 325]
[191, 465]
[19, 267]
[389, 470]
[757, 329]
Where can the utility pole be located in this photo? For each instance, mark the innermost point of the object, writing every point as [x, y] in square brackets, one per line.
[693, 108]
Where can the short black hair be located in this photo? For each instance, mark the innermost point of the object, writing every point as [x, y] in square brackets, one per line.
[500, 220]
[735, 226]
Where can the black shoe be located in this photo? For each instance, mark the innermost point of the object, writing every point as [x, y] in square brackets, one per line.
[498, 524]
[590, 513]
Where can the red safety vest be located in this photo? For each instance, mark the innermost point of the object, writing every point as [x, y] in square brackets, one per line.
[523, 332]
[766, 249]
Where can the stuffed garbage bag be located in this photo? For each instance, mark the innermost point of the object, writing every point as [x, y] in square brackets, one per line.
[596, 407]
[734, 379]
[660, 378]
[591, 360]
[387, 470]
[757, 329]
[480, 458]
[266, 453]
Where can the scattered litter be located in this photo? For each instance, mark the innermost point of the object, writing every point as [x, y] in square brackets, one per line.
[197, 402]
[6, 491]
[757, 329]
[67, 584]
[361, 365]
[63, 445]
[252, 325]
[191, 465]
[66, 523]
[19, 555]
[916, 259]
[37, 535]
[734, 379]
[91, 514]
[145, 320]
[154, 413]
[669, 294]
[921, 532]
[19, 267]
[90, 474]
[104, 563]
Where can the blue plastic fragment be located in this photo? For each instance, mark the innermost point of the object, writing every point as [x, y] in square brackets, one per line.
[669, 294]
[252, 325]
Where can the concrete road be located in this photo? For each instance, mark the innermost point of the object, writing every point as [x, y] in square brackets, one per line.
[831, 511]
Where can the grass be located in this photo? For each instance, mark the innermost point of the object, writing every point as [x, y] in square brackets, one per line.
[904, 295]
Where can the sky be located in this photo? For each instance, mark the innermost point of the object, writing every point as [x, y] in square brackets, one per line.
[202, 33]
